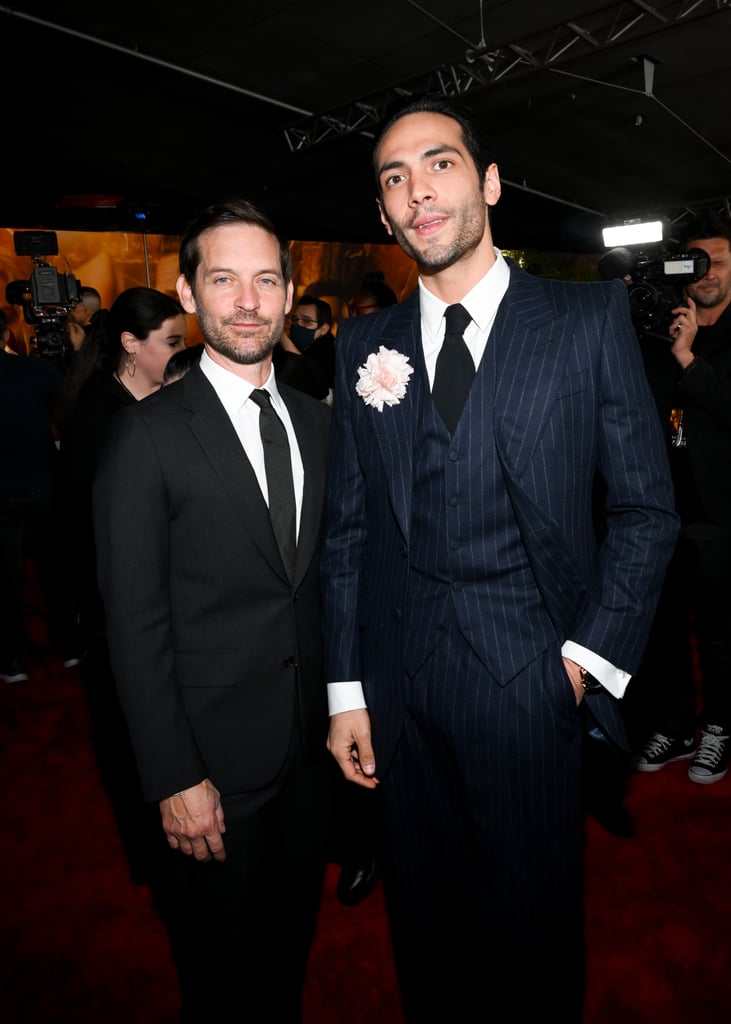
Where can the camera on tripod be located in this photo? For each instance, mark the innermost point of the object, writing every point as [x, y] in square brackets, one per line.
[47, 296]
[655, 283]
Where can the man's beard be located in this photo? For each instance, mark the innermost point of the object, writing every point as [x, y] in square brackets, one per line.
[435, 255]
[226, 340]
[710, 300]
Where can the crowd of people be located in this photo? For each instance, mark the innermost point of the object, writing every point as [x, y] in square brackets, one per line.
[367, 590]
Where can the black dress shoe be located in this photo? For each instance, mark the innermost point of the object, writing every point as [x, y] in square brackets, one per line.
[356, 881]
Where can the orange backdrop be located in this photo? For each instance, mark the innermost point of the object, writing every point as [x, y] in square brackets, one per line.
[113, 261]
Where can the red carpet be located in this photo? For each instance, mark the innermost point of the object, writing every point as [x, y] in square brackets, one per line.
[81, 941]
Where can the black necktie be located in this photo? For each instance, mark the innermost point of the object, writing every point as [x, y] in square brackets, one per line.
[454, 370]
[280, 485]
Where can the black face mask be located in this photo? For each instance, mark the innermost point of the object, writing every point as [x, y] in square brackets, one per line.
[302, 337]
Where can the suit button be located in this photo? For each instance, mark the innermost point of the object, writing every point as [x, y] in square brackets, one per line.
[398, 614]
[290, 662]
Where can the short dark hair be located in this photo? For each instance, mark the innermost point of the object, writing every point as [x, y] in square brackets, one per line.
[230, 211]
[324, 311]
[473, 134]
[3, 322]
[707, 225]
[86, 292]
[181, 361]
[374, 286]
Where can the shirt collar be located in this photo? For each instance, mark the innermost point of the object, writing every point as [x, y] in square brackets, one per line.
[481, 302]
[231, 389]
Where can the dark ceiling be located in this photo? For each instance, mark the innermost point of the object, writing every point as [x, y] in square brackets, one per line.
[599, 112]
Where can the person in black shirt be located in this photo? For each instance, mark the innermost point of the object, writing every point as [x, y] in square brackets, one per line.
[691, 380]
[29, 385]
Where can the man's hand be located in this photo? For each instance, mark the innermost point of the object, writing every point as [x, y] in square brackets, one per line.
[683, 331]
[193, 821]
[350, 744]
[574, 673]
[76, 335]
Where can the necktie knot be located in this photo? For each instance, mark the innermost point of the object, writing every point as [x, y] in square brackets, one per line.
[457, 319]
[261, 398]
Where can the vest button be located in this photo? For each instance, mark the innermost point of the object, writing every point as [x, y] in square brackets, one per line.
[289, 662]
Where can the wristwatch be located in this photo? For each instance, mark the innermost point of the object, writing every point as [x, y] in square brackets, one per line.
[590, 684]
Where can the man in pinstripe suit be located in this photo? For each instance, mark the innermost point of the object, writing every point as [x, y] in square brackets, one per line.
[473, 616]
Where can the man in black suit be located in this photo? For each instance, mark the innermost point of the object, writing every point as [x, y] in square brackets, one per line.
[214, 627]
[471, 617]
[691, 379]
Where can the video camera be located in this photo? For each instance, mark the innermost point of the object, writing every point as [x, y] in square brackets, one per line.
[47, 296]
[655, 285]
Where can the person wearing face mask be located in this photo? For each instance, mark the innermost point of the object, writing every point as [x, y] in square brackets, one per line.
[305, 355]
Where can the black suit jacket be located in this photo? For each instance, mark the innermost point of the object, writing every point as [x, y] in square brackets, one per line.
[216, 655]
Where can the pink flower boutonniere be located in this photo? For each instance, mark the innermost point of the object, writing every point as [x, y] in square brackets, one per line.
[383, 379]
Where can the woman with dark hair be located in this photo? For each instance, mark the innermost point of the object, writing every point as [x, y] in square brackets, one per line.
[122, 361]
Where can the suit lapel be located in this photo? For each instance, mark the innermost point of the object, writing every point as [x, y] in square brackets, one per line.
[529, 363]
[216, 436]
[394, 427]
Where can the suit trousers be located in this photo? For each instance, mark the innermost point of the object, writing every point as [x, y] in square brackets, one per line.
[483, 874]
[241, 930]
[694, 612]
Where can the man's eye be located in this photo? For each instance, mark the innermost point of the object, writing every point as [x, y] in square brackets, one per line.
[393, 179]
[442, 165]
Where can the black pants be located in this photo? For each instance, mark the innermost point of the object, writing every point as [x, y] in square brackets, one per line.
[241, 930]
[695, 603]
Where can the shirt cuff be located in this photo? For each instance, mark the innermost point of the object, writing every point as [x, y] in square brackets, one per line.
[345, 697]
[613, 679]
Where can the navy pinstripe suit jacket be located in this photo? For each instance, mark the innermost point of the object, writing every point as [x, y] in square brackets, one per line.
[566, 402]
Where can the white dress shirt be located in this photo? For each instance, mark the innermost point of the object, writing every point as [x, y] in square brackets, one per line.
[234, 392]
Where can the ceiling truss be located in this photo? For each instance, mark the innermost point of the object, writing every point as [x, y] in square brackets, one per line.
[483, 67]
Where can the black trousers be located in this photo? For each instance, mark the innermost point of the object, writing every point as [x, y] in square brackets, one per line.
[241, 930]
[28, 530]
[483, 871]
[695, 604]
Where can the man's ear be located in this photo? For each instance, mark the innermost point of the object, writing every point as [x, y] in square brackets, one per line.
[384, 219]
[491, 185]
[185, 294]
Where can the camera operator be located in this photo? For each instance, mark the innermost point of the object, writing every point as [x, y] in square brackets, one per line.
[78, 320]
[691, 381]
